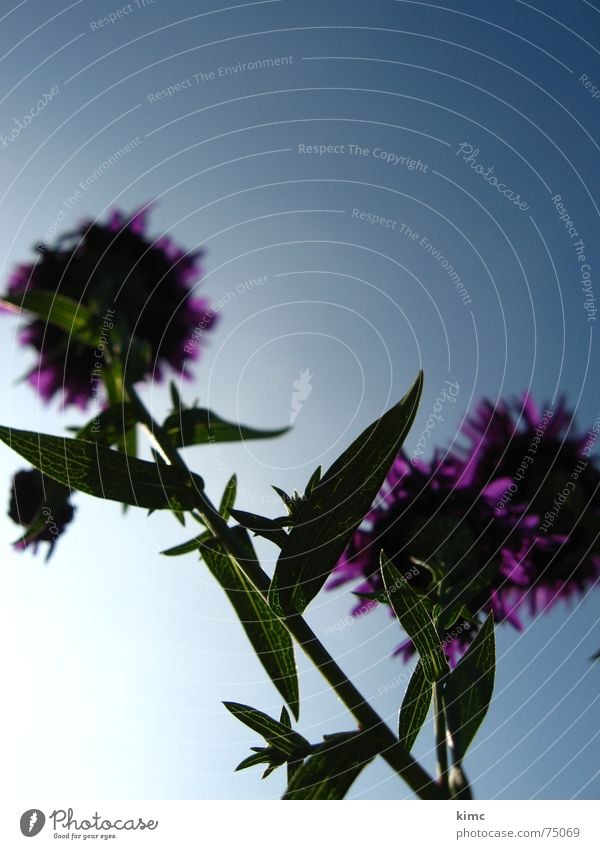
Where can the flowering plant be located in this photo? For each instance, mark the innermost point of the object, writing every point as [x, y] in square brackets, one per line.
[453, 546]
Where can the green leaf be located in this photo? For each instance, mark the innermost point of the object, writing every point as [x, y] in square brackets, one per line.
[261, 526]
[453, 597]
[58, 310]
[332, 769]
[269, 637]
[189, 546]
[271, 756]
[295, 502]
[262, 757]
[110, 425]
[287, 499]
[292, 769]
[278, 735]
[228, 499]
[268, 771]
[292, 765]
[379, 597]
[468, 689]
[314, 480]
[293, 505]
[337, 505]
[198, 426]
[415, 707]
[175, 397]
[92, 468]
[414, 614]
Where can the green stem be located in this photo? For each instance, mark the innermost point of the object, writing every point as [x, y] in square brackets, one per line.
[439, 721]
[392, 751]
[156, 433]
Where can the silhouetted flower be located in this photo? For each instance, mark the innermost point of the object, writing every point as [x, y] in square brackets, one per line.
[462, 514]
[135, 288]
[549, 466]
[40, 505]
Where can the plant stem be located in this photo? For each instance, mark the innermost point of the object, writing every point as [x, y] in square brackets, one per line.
[439, 721]
[156, 433]
[391, 750]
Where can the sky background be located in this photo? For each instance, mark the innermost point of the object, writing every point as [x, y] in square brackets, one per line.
[119, 657]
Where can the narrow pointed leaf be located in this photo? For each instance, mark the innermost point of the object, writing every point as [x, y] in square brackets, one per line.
[287, 499]
[271, 768]
[198, 426]
[72, 317]
[92, 468]
[175, 396]
[254, 760]
[189, 546]
[415, 707]
[332, 769]
[414, 614]
[228, 499]
[468, 689]
[115, 423]
[278, 735]
[268, 636]
[261, 526]
[313, 480]
[337, 505]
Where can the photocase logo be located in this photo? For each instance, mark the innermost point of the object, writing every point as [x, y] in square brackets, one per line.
[302, 389]
[32, 822]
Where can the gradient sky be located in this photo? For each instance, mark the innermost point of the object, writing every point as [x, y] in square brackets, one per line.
[123, 656]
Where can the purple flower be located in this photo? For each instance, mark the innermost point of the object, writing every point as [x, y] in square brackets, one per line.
[549, 467]
[135, 288]
[40, 505]
[462, 515]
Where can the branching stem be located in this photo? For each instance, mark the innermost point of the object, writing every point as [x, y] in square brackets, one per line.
[391, 750]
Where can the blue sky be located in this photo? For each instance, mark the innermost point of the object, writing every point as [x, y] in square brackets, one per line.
[273, 134]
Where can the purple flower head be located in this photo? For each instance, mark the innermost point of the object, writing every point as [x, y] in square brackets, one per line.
[454, 515]
[550, 467]
[40, 505]
[137, 290]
